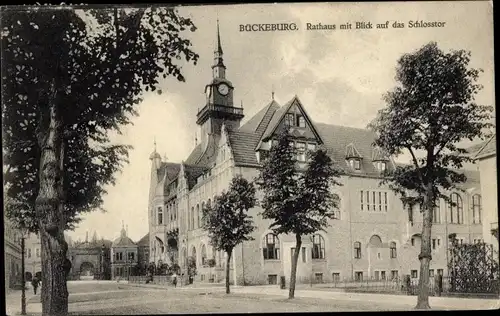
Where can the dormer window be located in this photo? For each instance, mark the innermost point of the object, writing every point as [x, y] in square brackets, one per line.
[355, 163]
[381, 165]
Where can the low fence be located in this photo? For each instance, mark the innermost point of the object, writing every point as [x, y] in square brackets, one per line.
[157, 279]
[401, 286]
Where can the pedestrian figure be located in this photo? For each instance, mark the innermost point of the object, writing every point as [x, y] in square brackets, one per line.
[174, 279]
[34, 283]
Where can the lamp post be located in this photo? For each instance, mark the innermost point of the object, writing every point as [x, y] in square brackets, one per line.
[23, 276]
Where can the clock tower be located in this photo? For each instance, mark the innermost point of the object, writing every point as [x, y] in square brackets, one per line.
[219, 107]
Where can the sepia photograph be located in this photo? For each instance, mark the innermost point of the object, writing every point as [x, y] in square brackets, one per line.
[249, 158]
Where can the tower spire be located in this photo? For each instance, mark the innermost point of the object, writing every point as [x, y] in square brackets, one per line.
[219, 46]
[219, 69]
[154, 143]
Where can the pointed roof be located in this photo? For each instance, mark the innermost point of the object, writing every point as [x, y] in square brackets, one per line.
[378, 154]
[144, 241]
[280, 113]
[351, 152]
[219, 46]
[488, 148]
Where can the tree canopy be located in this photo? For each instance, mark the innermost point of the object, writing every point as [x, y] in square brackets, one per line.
[298, 199]
[227, 220]
[430, 111]
[99, 62]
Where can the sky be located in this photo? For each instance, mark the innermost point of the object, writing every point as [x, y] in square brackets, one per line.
[339, 76]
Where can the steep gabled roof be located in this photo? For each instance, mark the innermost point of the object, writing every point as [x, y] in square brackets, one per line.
[144, 241]
[195, 155]
[259, 122]
[243, 147]
[489, 148]
[378, 154]
[193, 172]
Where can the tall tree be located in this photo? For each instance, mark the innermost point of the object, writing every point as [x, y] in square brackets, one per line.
[430, 110]
[298, 200]
[227, 221]
[71, 77]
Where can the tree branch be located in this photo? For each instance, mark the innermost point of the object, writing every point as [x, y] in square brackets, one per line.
[415, 161]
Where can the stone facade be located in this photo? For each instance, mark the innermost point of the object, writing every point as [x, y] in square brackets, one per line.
[124, 256]
[487, 160]
[372, 237]
[12, 255]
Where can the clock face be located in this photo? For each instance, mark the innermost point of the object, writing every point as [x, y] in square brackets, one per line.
[223, 89]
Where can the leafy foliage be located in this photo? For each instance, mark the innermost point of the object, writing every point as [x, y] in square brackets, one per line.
[298, 200]
[191, 266]
[100, 61]
[227, 221]
[431, 110]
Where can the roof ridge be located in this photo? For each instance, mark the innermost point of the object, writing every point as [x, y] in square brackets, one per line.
[268, 107]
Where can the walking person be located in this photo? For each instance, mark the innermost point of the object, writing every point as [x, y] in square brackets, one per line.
[174, 279]
[34, 283]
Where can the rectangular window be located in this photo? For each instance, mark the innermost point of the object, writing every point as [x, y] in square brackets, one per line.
[303, 254]
[311, 147]
[38, 252]
[358, 276]
[385, 201]
[380, 201]
[357, 164]
[367, 200]
[413, 241]
[361, 199]
[394, 274]
[434, 244]
[318, 277]
[440, 271]
[272, 279]
[160, 216]
[439, 242]
[131, 256]
[373, 201]
[431, 273]
[301, 121]
[289, 119]
[382, 275]
[414, 274]
[377, 275]
[301, 151]
[336, 277]
[29, 252]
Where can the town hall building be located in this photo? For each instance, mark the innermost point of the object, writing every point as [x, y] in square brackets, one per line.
[373, 235]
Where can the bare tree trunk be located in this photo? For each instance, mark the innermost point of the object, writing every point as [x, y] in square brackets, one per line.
[425, 251]
[228, 262]
[293, 275]
[50, 219]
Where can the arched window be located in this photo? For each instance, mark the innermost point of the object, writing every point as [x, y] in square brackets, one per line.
[357, 250]
[271, 247]
[203, 255]
[193, 253]
[456, 209]
[203, 220]
[160, 216]
[476, 209]
[393, 249]
[191, 219]
[318, 250]
[198, 215]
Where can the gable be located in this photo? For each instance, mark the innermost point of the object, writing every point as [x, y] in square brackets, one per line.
[294, 115]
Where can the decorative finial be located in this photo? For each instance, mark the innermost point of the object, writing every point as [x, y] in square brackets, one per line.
[155, 143]
[272, 92]
[242, 104]
[122, 225]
